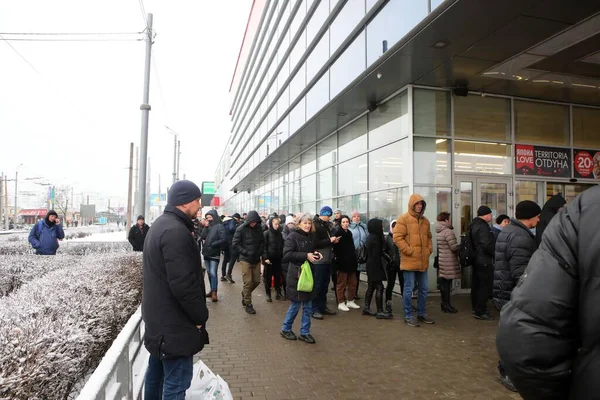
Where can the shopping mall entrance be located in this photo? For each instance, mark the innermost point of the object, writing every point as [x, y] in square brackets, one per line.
[471, 192]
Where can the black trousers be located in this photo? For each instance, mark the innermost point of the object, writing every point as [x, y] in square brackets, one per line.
[229, 257]
[272, 270]
[391, 282]
[377, 288]
[226, 259]
[483, 277]
[357, 281]
[445, 288]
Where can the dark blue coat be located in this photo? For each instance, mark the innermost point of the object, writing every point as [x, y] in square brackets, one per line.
[44, 238]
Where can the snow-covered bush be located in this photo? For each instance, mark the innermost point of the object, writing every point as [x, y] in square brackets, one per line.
[55, 329]
[13, 238]
[66, 247]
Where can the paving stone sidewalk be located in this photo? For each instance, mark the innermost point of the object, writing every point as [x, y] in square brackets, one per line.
[355, 357]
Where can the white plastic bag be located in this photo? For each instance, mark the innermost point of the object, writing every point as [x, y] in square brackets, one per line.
[206, 385]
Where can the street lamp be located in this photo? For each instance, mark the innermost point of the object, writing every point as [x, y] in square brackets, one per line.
[176, 154]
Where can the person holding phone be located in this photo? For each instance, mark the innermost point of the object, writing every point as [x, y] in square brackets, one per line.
[323, 242]
[298, 248]
[346, 265]
[45, 234]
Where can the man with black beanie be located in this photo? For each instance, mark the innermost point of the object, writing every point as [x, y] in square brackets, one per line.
[483, 241]
[137, 234]
[514, 248]
[173, 304]
[45, 234]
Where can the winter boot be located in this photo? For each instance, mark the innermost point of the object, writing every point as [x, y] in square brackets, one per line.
[279, 296]
[388, 307]
[379, 303]
[269, 299]
[368, 298]
[214, 296]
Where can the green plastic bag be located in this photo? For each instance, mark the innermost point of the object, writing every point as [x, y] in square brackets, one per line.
[305, 282]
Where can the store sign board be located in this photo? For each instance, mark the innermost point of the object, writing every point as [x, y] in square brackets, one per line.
[542, 161]
[586, 164]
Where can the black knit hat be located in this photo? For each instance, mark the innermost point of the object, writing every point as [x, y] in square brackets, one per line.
[236, 215]
[140, 217]
[527, 209]
[483, 210]
[500, 218]
[183, 192]
[52, 212]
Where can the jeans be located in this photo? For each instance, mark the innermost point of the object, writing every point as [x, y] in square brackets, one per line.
[290, 316]
[322, 275]
[168, 379]
[410, 278]
[212, 264]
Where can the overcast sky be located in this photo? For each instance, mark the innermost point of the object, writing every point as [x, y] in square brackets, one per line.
[71, 122]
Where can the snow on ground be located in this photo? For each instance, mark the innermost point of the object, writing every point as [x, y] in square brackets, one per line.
[103, 237]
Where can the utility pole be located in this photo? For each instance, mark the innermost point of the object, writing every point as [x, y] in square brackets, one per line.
[137, 171]
[178, 157]
[174, 158]
[148, 190]
[130, 191]
[6, 202]
[145, 107]
[1, 197]
[16, 196]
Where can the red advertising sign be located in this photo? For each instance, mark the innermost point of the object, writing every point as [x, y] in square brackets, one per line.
[542, 161]
[587, 164]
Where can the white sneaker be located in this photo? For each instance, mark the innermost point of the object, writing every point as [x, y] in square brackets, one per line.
[352, 304]
[342, 307]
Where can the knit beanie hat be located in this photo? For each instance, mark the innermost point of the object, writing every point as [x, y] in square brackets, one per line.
[183, 192]
[326, 212]
[527, 209]
[289, 220]
[140, 217]
[483, 210]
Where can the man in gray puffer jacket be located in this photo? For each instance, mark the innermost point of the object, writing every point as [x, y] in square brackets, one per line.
[514, 248]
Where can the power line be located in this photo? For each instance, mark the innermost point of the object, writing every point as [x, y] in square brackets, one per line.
[160, 90]
[21, 55]
[143, 10]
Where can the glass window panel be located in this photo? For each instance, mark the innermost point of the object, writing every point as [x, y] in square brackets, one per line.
[318, 57]
[284, 73]
[318, 96]
[352, 176]
[529, 190]
[327, 152]
[309, 207]
[326, 202]
[298, 18]
[298, 83]
[294, 171]
[387, 166]
[348, 66]
[317, 20]
[482, 117]
[327, 183]
[345, 22]
[309, 161]
[283, 103]
[541, 123]
[392, 23]
[480, 157]
[389, 121]
[294, 192]
[586, 127]
[387, 205]
[466, 204]
[308, 191]
[438, 199]
[495, 196]
[432, 161]
[353, 139]
[297, 116]
[357, 202]
[431, 112]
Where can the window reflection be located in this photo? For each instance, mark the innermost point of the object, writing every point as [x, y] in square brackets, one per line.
[309, 161]
[586, 122]
[297, 116]
[352, 176]
[482, 117]
[432, 161]
[481, 157]
[348, 66]
[327, 183]
[327, 152]
[356, 202]
[388, 205]
[308, 191]
[541, 123]
[353, 139]
[318, 57]
[387, 166]
[318, 96]
[345, 22]
[431, 112]
[389, 121]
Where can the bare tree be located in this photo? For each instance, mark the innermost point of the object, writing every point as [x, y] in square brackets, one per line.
[62, 197]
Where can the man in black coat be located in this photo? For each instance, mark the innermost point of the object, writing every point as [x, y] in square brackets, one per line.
[483, 267]
[248, 243]
[323, 241]
[548, 333]
[551, 208]
[229, 256]
[137, 234]
[514, 247]
[173, 304]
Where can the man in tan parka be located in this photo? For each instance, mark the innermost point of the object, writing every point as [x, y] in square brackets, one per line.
[412, 235]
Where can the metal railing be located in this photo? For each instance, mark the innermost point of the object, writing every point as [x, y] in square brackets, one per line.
[121, 372]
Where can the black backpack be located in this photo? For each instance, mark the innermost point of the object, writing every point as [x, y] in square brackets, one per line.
[466, 251]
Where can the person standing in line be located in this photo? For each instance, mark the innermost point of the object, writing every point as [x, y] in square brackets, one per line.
[502, 222]
[448, 267]
[173, 305]
[198, 228]
[514, 248]
[249, 243]
[412, 235]
[290, 226]
[272, 258]
[323, 241]
[393, 268]
[298, 249]
[215, 239]
[337, 219]
[483, 241]
[46, 233]
[359, 234]
[346, 265]
[376, 258]
[550, 209]
[137, 234]
[230, 228]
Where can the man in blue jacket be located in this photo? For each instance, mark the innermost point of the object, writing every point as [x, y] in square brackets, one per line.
[45, 234]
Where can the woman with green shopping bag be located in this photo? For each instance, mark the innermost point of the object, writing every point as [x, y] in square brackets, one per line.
[299, 252]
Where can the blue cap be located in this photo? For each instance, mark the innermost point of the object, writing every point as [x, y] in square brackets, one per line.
[326, 211]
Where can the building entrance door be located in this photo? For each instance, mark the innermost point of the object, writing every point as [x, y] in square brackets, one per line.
[470, 193]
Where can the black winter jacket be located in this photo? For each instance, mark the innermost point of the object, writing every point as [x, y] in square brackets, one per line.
[345, 255]
[173, 302]
[273, 246]
[514, 248]
[377, 259]
[322, 239]
[548, 335]
[548, 212]
[248, 242]
[137, 236]
[295, 251]
[391, 249]
[214, 236]
[483, 242]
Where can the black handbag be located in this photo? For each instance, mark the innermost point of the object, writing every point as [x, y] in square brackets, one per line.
[361, 254]
[436, 260]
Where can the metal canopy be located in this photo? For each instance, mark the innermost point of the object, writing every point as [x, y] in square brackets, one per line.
[487, 44]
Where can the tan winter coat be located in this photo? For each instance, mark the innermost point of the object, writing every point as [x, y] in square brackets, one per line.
[412, 235]
[447, 247]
